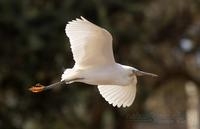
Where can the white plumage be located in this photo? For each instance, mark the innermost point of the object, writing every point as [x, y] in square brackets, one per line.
[119, 95]
[92, 51]
[90, 44]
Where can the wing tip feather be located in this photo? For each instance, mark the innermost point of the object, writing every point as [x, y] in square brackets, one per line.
[124, 101]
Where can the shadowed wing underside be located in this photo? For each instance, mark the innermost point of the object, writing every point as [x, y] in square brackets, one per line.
[119, 95]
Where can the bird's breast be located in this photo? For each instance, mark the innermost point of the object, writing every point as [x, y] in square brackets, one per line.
[106, 76]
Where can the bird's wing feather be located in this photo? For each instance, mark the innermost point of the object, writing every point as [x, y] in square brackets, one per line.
[119, 95]
[91, 45]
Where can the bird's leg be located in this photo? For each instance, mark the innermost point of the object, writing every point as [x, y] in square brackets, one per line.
[39, 88]
[141, 73]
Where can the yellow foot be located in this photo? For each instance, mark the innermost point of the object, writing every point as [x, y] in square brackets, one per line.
[37, 88]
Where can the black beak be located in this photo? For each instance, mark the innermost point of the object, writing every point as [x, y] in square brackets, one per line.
[141, 73]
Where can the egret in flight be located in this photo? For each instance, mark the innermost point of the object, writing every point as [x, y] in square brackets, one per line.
[92, 51]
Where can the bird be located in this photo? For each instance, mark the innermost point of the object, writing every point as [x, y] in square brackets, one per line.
[92, 51]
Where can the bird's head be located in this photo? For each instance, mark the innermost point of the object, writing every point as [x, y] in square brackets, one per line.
[135, 72]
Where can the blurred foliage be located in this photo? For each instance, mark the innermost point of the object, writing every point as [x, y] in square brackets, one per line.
[156, 36]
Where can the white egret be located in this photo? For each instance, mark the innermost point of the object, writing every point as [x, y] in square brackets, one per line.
[92, 51]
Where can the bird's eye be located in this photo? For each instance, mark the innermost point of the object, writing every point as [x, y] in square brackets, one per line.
[131, 74]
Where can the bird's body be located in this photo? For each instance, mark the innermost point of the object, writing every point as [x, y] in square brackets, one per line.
[115, 74]
[92, 51]
[116, 82]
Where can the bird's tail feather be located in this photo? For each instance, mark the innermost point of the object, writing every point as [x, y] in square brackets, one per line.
[67, 73]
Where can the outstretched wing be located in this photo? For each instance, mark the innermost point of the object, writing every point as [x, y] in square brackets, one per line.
[119, 95]
[91, 45]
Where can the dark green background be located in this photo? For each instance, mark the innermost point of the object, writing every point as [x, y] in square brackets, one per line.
[159, 36]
